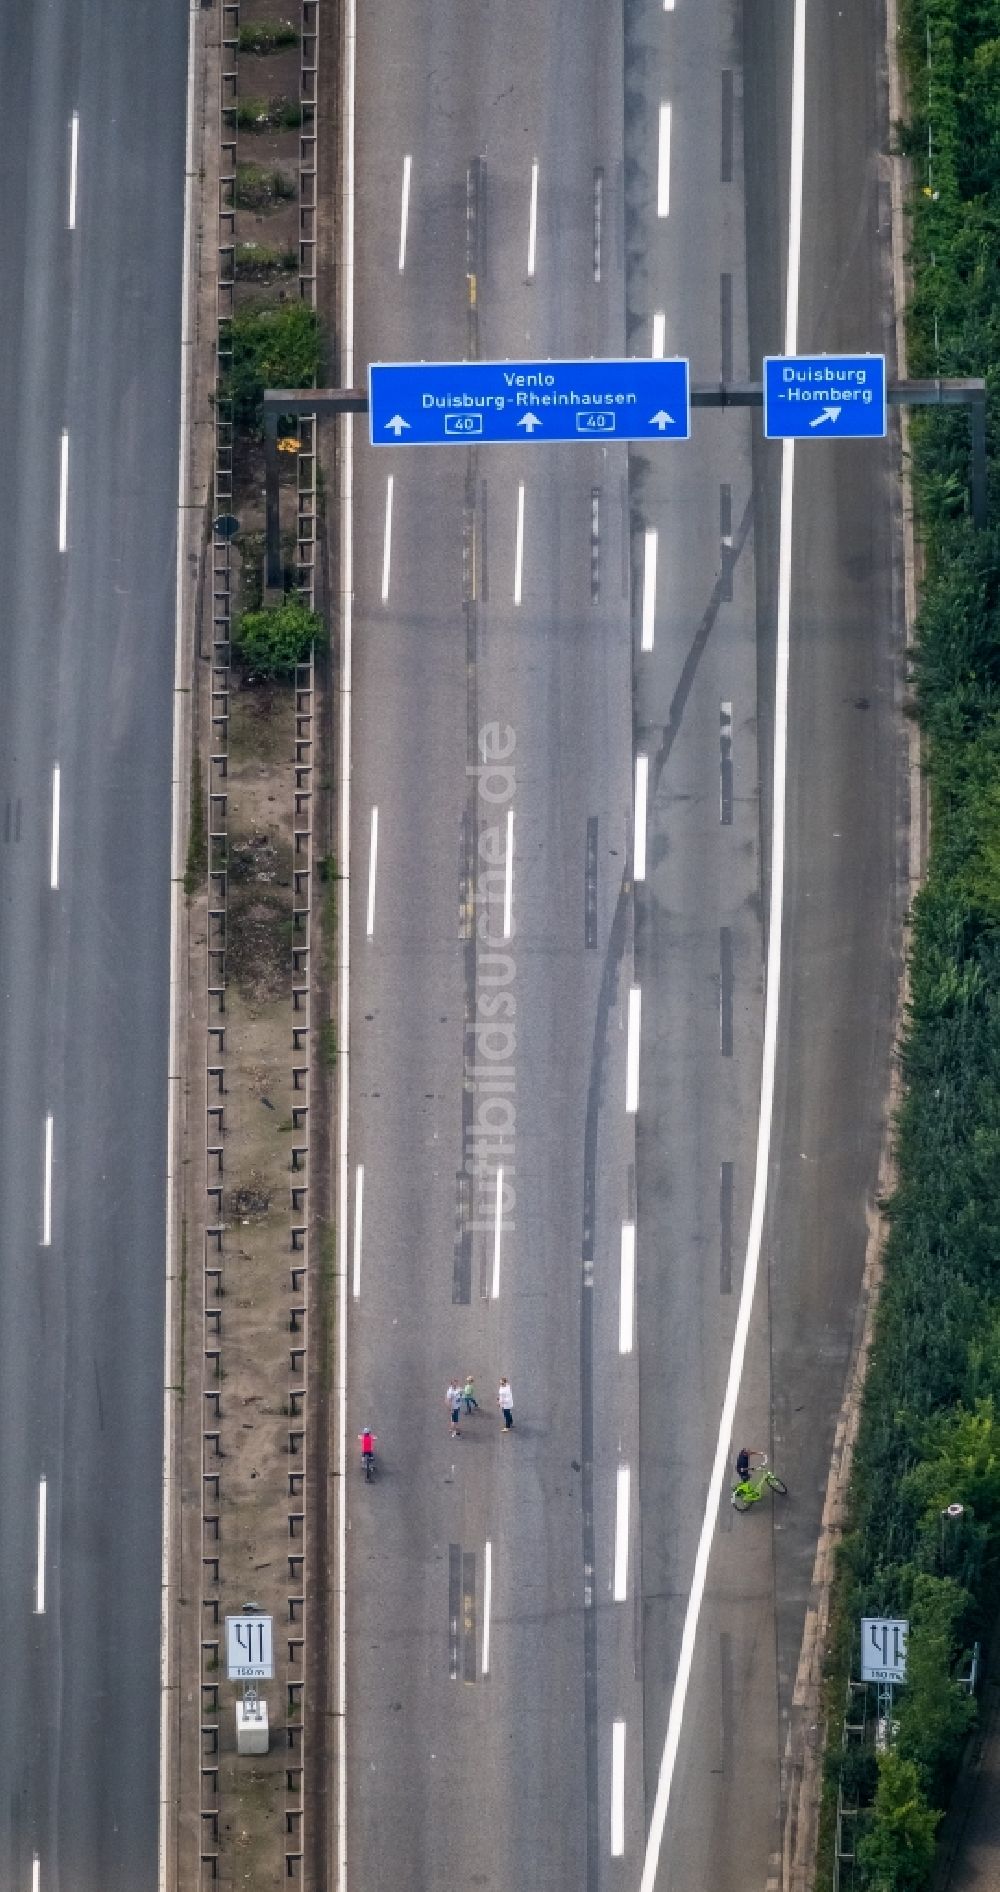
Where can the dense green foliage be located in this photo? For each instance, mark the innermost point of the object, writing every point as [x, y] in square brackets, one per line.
[930, 1428]
[272, 348]
[270, 642]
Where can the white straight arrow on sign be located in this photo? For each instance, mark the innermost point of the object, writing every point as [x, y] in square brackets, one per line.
[530, 421]
[829, 413]
[396, 425]
[661, 419]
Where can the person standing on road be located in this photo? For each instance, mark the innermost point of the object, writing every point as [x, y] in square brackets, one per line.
[505, 1401]
[469, 1395]
[455, 1407]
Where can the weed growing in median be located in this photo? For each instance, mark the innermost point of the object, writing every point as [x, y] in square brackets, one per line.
[258, 186]
[277, 348]
[268, 36]
[271, 641]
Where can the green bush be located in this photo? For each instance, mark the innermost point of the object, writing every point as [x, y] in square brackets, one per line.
[270, 642]
[268, 37]
[277, 348]
[897, 1852]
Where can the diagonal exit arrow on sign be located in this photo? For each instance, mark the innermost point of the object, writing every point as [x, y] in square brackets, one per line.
[829, 413]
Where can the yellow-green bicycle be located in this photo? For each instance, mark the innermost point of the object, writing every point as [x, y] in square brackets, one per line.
[759, 1478]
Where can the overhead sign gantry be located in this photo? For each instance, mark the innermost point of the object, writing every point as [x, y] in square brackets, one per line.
[437, 403]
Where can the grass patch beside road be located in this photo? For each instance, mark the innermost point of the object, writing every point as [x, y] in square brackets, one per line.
[196, 866]
[930, 1425]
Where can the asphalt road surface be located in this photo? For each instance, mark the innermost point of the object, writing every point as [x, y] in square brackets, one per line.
[90, 318]
[515, 1602]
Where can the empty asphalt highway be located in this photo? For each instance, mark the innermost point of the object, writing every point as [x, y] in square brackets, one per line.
[91, 198]
[569, 1663]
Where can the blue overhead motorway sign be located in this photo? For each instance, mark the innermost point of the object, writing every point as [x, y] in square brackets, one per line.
[824, 397]
[421, 403]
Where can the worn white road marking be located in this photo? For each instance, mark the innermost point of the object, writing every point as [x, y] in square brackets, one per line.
[497, 1232]
[404, 213]
[63, 488]
[54, 849]
[387, 539]
[533, 219]
[74, 148]
[663, 164]
[632, 1051]
[623, 1492]
[372, 874]
[359, 1203]
[487, 1602]
[626, 1296]
[648, 588]
[40, 1562]
[639, 842]
[47, 1184]
[508, 877]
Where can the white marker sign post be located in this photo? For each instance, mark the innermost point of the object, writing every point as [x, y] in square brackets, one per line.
[883, 1648]
[250, 1659]
[883, 1661]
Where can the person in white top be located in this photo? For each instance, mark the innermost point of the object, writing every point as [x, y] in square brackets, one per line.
[454, 1397]
[505, 1401]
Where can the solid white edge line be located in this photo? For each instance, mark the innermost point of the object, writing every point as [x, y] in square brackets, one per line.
[771, 1004]
[533, 219]
[519, 543]
[663, 163]
[372, 873]
[344, 941]
[404, 212]
[497, 1232]
[639, 838]
[659, 335]
[508, 877]
[40, 1555]
[36, 1874]
[47, 1182]
[649, 552]
[359, 1203]
[487, 1603]
[54, 848]
[177, 998]
[387, 539]
[63, 487]
[623, 1489]
[617, 1789]
[795, 180]
[632, 1052]
[626, 1295]
[74, 147]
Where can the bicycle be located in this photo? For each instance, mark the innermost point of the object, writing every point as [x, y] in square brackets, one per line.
[750, 1490]
[367, 1442]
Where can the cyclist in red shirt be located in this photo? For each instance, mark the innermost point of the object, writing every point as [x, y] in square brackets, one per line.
[367, 1442]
